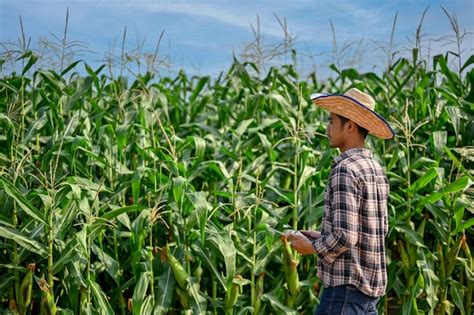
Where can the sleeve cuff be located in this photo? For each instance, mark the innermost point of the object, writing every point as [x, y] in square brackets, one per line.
[326, 256]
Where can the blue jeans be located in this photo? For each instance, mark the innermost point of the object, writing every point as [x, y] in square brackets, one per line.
[346, 300]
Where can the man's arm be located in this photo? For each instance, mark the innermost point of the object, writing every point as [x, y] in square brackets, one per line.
[344, 214]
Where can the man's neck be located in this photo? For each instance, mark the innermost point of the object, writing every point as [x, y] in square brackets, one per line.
[360, 145]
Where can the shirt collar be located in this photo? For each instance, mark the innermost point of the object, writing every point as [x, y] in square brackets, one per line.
[355, 151]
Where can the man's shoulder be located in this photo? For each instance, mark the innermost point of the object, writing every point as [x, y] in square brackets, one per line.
[359, 165]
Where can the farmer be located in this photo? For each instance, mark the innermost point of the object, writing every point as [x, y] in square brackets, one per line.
[350, 246]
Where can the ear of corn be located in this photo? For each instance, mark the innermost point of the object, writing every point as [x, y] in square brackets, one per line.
[48, 306]
[291, 272]
[293, 279]
[26, 289]
[232, 295]
[180, 274]
[257, 301]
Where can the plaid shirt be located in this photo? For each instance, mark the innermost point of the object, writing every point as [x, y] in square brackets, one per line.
[351, 249]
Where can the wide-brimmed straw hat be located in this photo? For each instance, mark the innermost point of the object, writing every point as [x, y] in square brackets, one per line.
[358, 107]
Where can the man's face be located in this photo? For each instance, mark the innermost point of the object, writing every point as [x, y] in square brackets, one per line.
[335, 131]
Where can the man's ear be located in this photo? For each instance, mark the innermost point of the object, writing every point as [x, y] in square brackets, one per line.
[351, 126]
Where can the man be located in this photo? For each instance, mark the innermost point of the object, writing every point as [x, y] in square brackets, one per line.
[350, 246]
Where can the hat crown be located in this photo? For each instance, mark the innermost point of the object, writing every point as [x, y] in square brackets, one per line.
[361, 97]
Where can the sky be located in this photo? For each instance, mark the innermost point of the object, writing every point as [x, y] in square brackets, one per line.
[203, 36]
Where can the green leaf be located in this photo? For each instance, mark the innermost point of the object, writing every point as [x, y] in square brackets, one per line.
[457, 292]
[225, 247]
[200, 146]
[71, 66]
[469, 62]
[423, 161]
[122, 133]
[308, 171]
[455, 116]
[209, 264]
[201, 208]
[431, 280]
[265, 143]
[166, 285]
[199, 87]
[243, 127]
[6, 282]
[440, 139]
[466, 225]
[179, 183]
[277, 306]
[454, 159]
[411, 235]
[136, 182]
[116, 212]
[103, 306]
[461, 184]
[24, 241]
[13, 192]
[112, 266]
[423, 180]
[198, 302]
[280, 100]
[467, 267]
[68, 254]
[140, 292]
[31, 61]
[83, 86]
[52, 79]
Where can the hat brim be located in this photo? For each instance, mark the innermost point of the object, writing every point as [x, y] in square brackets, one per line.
[352, 109]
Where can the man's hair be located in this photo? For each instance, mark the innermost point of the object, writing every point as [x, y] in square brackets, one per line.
[362, 131]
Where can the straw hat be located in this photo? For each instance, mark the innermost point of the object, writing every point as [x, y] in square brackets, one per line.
[358, 107]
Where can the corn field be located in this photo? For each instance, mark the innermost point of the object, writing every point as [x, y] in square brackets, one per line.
[168, 195]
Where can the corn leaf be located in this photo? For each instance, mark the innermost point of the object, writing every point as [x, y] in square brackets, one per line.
[457, 292]
[140, 293]
[209, 264]
[424, 180]
[277, 306]
[24, 241]
[103, 306]
[13, 192]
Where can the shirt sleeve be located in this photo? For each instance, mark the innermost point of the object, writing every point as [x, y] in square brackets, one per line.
[344, 217]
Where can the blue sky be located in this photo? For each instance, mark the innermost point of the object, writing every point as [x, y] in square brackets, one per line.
[202, 36]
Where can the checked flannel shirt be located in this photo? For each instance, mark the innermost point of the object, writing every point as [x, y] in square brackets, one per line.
[351, 248]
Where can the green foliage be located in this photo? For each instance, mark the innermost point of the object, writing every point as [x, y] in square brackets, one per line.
[167, 194]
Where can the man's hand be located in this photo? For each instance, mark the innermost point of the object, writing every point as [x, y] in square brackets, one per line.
[300, 243]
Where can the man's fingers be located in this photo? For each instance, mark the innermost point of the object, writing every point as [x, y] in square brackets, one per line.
[312, 234]
[293, 235]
